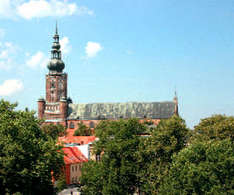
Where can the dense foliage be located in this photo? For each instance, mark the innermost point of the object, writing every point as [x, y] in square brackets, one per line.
[54, 131]
[82, 130]
[171, 159]
[202, 168]
[28, 156]
[217, 127]
[131, 162]
[116, 172]
[155, 155]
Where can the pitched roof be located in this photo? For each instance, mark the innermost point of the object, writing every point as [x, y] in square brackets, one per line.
[96, 111]
[76, 139]
[73, 155]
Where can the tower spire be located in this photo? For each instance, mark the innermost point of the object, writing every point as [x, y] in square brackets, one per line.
[56, 28]
[175, 99]
[56, 64]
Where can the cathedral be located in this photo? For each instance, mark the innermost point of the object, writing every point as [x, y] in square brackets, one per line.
[58, 108]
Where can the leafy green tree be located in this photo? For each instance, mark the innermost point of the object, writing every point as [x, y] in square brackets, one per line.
[54, 130]
[92, 178]
[61, 182]
[217, 127]
[202, 168]
[116, 172]
[155, 153]
[82, 130]
[28, 156]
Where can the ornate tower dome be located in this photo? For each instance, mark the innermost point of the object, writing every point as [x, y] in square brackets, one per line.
[56, 65]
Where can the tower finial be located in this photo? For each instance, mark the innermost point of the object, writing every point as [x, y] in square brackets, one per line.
[56, 28]
[175, 99]
[175, 93]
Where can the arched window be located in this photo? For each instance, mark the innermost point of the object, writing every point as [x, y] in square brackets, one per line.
[52, 84]
[91, 124]
[71, 126]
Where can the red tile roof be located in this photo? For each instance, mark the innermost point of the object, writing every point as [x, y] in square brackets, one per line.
[73, 155]
[76, 139]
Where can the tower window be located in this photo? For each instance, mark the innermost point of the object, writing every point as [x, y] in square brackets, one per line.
[52, 85]
[71, 126]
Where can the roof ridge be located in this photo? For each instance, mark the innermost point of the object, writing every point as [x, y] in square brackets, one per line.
[145, 102]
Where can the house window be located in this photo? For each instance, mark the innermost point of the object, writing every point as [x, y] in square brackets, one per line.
[76, 167]
[72, 169]
[72, 126]
[91, 124]
[98, 158]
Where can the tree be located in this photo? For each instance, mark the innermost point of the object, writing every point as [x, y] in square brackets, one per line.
[92, 178]
[155, 153]
[116, 172]
[202, 168]
[82, 130]
[54, 130]
[61, 182]
[217, 127]
[28, 156]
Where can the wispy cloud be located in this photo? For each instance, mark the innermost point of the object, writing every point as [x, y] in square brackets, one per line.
[10, 87]
[8, 51]
[41, 8]
[92, 49]
[39, 59]
[65, 45]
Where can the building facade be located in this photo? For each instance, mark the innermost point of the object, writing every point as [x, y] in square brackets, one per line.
[58, 108]
[73, 159]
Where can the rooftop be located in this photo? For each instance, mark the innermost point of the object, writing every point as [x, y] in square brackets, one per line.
[73, 155]
[98, 111]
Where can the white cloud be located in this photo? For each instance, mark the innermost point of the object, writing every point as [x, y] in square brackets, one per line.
[6, 9]
[29, 9]
[65, 46]
[37, 60]
[10, 87]
[44, 8]
[7, 54]
[92, 48]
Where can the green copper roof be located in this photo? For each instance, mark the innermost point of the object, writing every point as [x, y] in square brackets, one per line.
[96, 111]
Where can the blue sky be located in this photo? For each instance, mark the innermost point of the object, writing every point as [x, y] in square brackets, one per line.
[125, 50]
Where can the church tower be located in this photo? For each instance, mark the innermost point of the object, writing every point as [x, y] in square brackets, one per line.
[54, 107]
